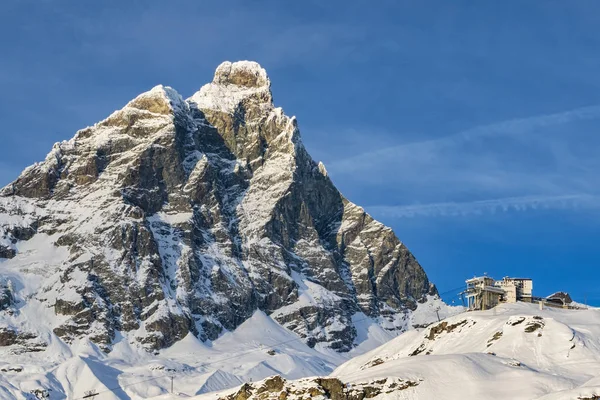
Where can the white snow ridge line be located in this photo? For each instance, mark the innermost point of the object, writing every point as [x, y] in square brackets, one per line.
[515, 351]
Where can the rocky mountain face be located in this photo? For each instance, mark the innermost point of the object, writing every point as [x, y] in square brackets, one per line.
[174, 216]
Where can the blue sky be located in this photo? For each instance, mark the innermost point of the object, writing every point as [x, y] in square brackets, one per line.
[469, 127]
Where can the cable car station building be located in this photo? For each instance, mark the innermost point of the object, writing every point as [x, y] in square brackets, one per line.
[484, 293]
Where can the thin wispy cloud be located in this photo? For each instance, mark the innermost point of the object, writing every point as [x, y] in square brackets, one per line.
[553, 156]
[493, 206]
[514, 127]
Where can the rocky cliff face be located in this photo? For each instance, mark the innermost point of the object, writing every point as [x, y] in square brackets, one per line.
[174, 216]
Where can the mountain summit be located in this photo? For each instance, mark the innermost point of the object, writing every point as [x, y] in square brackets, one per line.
[176, 216]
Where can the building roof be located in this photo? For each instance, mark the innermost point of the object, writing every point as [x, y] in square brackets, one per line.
[517, 279]
[479, 278]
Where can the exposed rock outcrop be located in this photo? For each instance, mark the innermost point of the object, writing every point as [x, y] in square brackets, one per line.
[277, 388]
[6, 294]
[21, 342]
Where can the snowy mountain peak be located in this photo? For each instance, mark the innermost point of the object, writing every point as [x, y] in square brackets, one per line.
[241, 73]
[173, 217]
[236, 86]
[159, 100]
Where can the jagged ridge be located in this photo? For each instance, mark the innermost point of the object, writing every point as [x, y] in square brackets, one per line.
[174, 216]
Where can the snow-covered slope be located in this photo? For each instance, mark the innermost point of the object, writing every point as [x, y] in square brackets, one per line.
[515, 351]
[258, 348]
